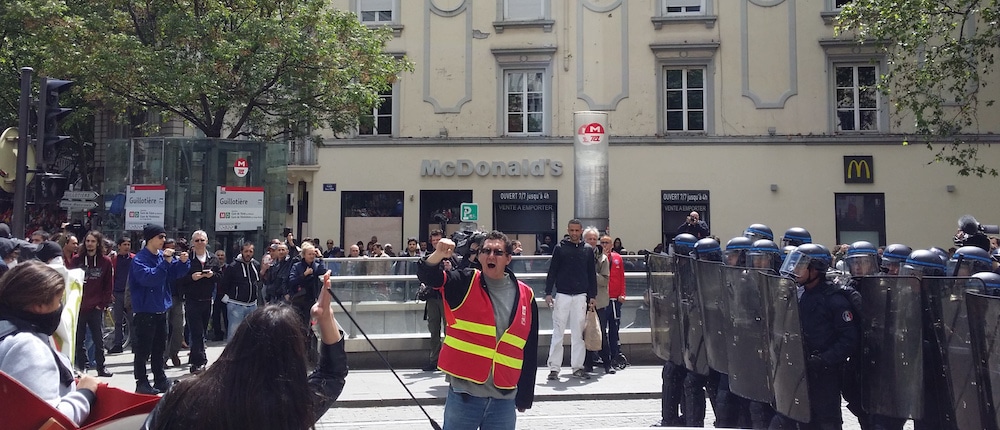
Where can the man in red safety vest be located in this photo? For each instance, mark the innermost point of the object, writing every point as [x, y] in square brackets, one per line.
[490, 352]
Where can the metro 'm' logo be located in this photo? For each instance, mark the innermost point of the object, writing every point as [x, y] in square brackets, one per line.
[592, 128]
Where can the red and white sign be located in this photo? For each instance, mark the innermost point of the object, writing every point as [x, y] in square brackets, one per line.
[590, 134]
[241, 167]
[239, 208]
[144, 204]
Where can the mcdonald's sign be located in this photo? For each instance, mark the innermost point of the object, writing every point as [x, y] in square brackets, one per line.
[859, 169]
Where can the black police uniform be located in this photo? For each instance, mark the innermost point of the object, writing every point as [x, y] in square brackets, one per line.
[830, 336]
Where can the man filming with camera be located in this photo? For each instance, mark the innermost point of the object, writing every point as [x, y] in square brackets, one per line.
[693, 225]
[972, 233]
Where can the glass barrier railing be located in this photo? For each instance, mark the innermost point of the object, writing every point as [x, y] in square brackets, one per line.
[381, 292]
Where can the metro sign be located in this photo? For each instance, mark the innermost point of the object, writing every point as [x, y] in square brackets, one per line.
[241, 167]
[590, 134]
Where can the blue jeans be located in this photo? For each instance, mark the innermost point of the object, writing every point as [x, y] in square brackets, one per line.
[237, 313]
[465, 412]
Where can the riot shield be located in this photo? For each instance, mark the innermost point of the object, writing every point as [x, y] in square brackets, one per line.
[668, 339]
[891, 362]
[695, 356]
[945, 302]
[713, 309]
[750, 363]
[788, 361]
[984, 326]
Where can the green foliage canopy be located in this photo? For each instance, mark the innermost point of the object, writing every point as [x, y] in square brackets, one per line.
[940, 56]
[264, 69]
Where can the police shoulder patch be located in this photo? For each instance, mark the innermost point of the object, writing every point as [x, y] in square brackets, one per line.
[848, 316]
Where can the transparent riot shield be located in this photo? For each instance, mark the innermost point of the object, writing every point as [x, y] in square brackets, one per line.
[749, 365]
[668, 338]
[788, 361]
[695, 356]
[945, 297]
[891, 365]
[984, 326]
[716, 317]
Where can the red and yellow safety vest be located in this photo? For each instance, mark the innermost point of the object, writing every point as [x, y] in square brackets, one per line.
[470, 349]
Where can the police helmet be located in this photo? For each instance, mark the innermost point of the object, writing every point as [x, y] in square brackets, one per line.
[968, 260]
[796, 236]
[893, 256]
[736, 250]
[684, 244]
[809, 255]
[708, 249]
[923, 262]
[991, 282]
[861, 259]
[757, 232]
[764, 254]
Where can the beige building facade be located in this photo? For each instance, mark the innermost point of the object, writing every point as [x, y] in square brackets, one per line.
[750, 111]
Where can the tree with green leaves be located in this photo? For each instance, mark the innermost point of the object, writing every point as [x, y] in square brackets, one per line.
[264, 69]
[940, 56]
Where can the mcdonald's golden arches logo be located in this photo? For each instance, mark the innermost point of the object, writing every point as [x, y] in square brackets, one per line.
[859, 169]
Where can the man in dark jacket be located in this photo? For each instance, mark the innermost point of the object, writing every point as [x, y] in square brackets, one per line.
[97, 285]
[198, 289]
[240, 282]
[571, 284]
[488, 385]
[274, 273]
[304, 281]
[121, 310]
[150, 277]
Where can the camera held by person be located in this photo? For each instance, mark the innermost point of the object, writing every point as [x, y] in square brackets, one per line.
[972, 233]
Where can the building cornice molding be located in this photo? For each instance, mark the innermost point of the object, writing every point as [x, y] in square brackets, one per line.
[669, 140]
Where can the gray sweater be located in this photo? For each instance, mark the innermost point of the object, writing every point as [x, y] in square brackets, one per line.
[27, 358]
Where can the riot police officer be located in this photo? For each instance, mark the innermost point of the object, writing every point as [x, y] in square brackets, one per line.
[764, 254]
[968, 260]
[921, 263]
[696, 385]
[861, 259]
[991, 282]
[829, 332]
[893, 256]
[673, 374]
[736, 249]
[757, 232]
[796, 236]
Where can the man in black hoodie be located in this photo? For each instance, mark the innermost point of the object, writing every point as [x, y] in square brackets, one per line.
[573, 276]
[198, 287]
[240, 281]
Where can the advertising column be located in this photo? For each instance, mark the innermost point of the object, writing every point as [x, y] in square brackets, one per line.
[590, 169]
[144, 204]
[239, 208]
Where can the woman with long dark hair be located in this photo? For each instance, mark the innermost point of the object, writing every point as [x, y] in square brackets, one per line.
[31, 308]
[260, 379]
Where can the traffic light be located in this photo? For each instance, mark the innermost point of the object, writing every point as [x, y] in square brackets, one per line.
[49, 116]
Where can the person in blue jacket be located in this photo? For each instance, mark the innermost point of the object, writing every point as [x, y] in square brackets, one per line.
[149, 283]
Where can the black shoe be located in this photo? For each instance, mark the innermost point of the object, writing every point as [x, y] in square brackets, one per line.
[609, 370]
[554, 375]
[175, 360]
[116, 350]
[144, 388]
[163, 386]
[197, 369]
[104, 372]
[582, 374]
[430, 367]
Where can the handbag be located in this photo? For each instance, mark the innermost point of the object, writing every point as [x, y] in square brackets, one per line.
[592, 331]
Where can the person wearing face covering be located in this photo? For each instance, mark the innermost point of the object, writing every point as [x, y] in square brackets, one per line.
[30, 311]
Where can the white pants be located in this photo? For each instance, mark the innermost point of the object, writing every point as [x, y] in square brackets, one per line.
[568, 311]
